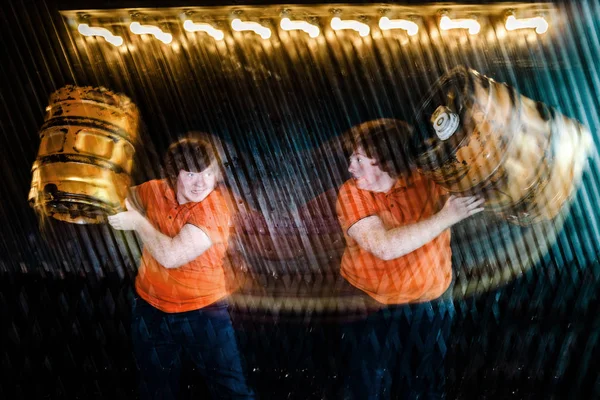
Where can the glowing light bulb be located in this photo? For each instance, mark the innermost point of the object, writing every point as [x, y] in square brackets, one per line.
[155, 31]
[470, 24]
[86, 30]
[539, 23]
[339, 24]
[191, 26]
[385, 24]
[241, 26]
[288, 25]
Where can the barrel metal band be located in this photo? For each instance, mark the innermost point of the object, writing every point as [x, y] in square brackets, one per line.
[89, 123]
[79, 158]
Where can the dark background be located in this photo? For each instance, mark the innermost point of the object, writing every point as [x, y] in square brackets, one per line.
[278, 106]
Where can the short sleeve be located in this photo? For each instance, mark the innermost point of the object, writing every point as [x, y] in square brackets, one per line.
[136, 199]
[146, 195]
[212, 216]
[354, 204]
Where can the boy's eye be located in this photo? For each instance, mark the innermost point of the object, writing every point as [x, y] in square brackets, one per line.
[190, 174]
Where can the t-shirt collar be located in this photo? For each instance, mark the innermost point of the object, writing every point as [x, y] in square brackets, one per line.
[402, 183]
[169, 193]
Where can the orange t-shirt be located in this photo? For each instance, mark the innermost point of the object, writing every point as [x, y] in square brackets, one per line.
[200, 282]
[422, 275]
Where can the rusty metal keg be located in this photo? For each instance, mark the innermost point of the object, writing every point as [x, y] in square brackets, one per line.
[474, 135]
[82, 170]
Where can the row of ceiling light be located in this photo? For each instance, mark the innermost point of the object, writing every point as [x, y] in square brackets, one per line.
[445, 23]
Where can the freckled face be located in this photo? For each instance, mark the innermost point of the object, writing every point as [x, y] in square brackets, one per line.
[193, 187]
[365, 171]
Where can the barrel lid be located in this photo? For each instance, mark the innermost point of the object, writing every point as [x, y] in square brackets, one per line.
[437, 123]
[445, 122]
[97, 94]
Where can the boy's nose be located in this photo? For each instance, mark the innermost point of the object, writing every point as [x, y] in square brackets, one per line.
[199, 181]
[351, 167]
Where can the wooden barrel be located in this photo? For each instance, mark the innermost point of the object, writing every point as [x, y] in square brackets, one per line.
[474, 135]
[82, 170]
